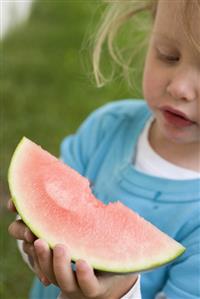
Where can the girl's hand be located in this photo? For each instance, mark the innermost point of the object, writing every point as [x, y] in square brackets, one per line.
[20, 231]
[54, 266]
[82, 284]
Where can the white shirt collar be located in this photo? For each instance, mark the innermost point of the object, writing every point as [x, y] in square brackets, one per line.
[148, 161]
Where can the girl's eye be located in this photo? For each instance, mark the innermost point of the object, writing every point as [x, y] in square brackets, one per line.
[168, 58]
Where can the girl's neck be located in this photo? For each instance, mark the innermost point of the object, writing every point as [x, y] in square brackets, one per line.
[186, 156]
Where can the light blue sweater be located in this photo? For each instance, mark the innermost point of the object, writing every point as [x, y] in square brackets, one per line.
[103, 150]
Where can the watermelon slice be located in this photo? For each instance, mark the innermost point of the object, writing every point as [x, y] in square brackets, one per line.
[57, 204]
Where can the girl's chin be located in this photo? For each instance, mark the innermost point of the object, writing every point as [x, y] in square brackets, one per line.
[173, 134]
[177, 135]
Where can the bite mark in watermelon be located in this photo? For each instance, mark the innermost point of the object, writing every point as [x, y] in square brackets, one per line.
[57, 204]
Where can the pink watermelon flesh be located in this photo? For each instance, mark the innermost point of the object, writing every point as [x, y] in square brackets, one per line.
[57, 204]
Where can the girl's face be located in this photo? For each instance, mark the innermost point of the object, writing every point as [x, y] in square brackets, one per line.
[171, 82]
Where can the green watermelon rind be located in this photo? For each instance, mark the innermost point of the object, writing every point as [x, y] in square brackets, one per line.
[100, 267]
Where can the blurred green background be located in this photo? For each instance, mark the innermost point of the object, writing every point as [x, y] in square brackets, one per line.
[46, 90]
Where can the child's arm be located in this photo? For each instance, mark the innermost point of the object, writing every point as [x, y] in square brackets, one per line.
[184, 274]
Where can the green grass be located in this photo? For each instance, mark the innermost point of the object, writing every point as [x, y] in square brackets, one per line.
[15, 276]
[46, 92]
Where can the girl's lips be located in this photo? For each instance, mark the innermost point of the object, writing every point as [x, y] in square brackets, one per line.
[176, 117]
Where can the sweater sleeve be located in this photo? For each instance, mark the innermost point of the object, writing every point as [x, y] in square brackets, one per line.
[134, 292]
[76, 150]
[184, 275]
[97, 131]
[25, 256]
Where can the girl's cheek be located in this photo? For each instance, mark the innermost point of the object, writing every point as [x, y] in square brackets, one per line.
[153, 82]
[149, 84]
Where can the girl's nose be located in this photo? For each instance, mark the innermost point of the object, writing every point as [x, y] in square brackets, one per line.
[182, 87]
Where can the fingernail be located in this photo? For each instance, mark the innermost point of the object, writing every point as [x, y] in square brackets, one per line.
[39, 245]
[59, 250]
[28, 236]
[38, 242]
[82, 265]
[10, 205]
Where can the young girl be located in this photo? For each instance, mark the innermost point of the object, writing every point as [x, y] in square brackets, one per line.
[145, 153]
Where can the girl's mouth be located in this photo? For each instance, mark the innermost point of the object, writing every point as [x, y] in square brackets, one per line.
[176, 117]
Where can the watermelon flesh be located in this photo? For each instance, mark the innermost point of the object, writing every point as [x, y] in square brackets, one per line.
[57, 204]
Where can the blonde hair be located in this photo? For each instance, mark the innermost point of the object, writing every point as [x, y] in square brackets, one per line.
[118, 13]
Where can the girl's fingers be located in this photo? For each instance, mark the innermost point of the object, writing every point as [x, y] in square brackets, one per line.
[63, 270]
[30, 251]
[27, 248]
[45, 260]
[11, 206]
[87, 280]
[20, 231]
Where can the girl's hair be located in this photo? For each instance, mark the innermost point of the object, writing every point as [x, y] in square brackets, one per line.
[118, 13]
